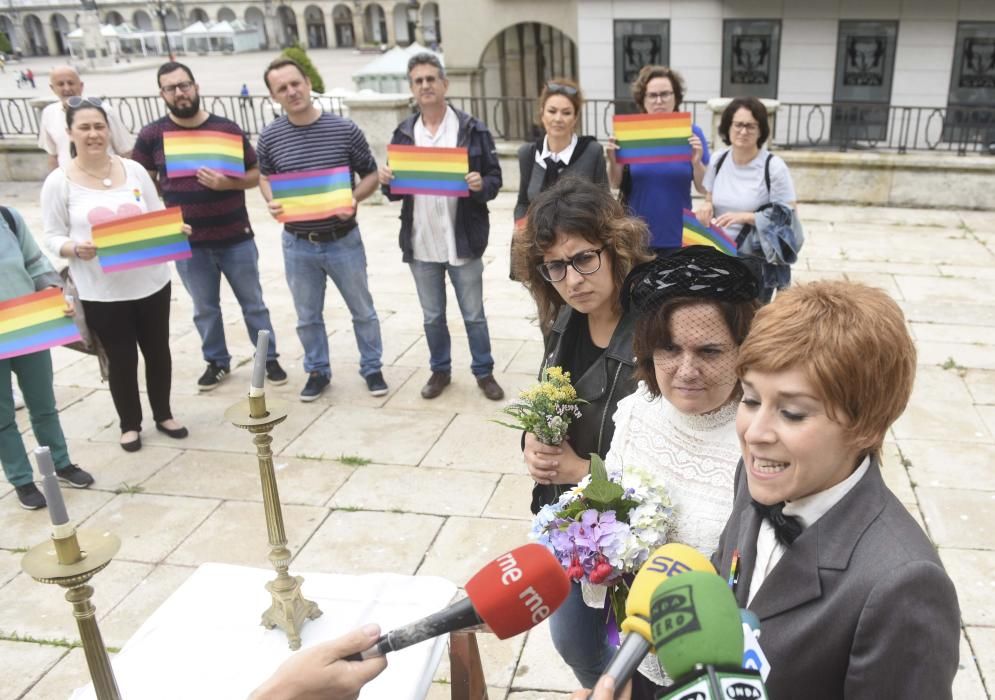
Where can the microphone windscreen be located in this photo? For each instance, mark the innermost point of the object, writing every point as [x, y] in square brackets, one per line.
[667, 561]
[695, 620]
[518, 590]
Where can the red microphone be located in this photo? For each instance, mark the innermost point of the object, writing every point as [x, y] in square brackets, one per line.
[512, 594]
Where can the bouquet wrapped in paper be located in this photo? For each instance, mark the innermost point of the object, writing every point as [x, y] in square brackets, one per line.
[547, 409]
[605, 528]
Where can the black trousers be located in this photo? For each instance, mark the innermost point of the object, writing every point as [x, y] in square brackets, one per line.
[123, 327]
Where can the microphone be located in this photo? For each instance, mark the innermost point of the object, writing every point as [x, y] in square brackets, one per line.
[698, 637]
[512, 594]
[667, 561]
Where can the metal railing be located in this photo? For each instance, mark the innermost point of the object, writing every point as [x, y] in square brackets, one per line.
[960, 129]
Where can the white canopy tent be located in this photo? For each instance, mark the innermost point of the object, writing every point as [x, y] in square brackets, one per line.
[227, 37]
[388, 72]
[123, 39]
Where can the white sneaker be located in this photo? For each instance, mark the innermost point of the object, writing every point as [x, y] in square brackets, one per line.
[18, 399]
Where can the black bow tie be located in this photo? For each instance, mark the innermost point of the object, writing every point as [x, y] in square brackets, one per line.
[553, 170]
[786, 527]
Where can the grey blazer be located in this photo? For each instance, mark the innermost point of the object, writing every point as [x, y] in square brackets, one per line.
[858, 607]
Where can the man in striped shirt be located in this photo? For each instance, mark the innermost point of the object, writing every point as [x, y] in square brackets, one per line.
[306, 139]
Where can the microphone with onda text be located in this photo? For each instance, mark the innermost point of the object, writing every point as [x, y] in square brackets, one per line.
[667, 561]
[512, 594]
[698, 635]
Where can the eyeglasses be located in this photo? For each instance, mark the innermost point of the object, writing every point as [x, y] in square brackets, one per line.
[561, 89]
[659, 96]
[586, 262]
[75, 102]
[748, 127]
[185, 86]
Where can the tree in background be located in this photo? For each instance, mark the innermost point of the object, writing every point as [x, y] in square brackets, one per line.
[298, 54]
[5, 47]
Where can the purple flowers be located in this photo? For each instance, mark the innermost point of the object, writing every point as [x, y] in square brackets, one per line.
[589, 540]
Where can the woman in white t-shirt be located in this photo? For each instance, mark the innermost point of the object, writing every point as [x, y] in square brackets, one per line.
[126, 310]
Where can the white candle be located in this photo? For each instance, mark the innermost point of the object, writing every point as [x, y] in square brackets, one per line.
[50, 486]
[259, 364]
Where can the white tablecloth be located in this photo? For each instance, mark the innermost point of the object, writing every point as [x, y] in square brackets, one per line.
[206, 642]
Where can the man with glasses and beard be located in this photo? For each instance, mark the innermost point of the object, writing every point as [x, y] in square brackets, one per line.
[213, 203]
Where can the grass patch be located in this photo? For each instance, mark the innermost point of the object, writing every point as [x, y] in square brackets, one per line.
[353, 460]
[125, 487]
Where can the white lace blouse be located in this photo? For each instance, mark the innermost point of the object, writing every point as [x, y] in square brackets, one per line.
[697, 456]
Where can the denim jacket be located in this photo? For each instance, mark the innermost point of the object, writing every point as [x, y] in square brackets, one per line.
[603, 385]
[472, 223]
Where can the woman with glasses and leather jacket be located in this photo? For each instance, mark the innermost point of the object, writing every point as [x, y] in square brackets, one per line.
[559, 152]
[659, 192]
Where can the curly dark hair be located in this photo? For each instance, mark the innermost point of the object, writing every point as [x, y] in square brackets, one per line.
[758, 111]
[653, 331]
[579, 207]
[648, 73]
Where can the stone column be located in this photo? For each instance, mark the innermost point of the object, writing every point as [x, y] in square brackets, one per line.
[718, 105]
[377, 116]
[50, 38]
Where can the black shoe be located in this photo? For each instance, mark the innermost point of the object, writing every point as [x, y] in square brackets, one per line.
[30, 497]
[74, 476]
[133, 446]
[212, 376]
[274, 373]
[376, 384]
[177, 433]
[435, 384]
[316, 384]
[490, 387]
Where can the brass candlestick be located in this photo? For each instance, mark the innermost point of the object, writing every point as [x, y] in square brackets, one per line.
[70, 560]
[289, 609]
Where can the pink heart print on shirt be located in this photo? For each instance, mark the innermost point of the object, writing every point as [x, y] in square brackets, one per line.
[100, 215]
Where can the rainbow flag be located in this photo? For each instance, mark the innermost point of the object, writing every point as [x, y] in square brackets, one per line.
[696, 234]
[436, 171]
[35, 322]
[313, 195]
[653, 138]
[140, 241]
[186, 151]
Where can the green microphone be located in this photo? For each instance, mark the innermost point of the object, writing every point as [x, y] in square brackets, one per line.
[698, 637]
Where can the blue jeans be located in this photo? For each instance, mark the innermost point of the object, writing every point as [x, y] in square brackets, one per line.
[468, 283]
[201, 275]
[34, 375]
[578, 632]
[307, 265]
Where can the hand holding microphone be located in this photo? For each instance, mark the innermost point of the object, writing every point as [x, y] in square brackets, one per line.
[512, 594]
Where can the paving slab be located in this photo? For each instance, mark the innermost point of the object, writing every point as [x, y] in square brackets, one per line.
[498, 657]
[512, 497]
[462, 396]
[967, 682]
[465, 545]
[983, 644]
[22, 665]
[973, 573]
[416, 490]
[541, 667]
[493, 447]
[63, 678]
[20, 529]
[959, 518]
[948, 464]
[981, 384]
[364, 542]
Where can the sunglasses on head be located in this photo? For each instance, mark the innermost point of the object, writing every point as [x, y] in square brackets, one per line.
[76, 102]
[562, 89]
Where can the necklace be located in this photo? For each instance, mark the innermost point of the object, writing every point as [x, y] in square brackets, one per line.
[105, 181]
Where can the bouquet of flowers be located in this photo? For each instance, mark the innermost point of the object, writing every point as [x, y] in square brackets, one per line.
[606, 527]
[547, 409]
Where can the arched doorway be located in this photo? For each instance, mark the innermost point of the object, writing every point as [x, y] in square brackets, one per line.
[254, 18]
[142, 21]
[374, 24]
[430, 26]
[198, 14]
[114, 18]
[403, 29]
[314, 20]
[342, 19]
[35, 32]
[7, 29]
[60, 27]
[172, 21]
[517, 63]
[288, 25]
[226, 15]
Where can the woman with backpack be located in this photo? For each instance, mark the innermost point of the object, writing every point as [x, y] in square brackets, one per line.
[560, 152]
[741, 182]
[658, 193]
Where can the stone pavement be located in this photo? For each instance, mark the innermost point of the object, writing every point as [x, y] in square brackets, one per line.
[434, 487]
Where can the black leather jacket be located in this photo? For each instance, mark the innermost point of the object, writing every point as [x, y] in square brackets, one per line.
[607, 381]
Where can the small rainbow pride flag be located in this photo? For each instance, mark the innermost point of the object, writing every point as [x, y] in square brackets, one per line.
[436, 171]
[696, 234]
[653, 138]
[35, 322]
[313, 195]
[188, 150]
[143, 240]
